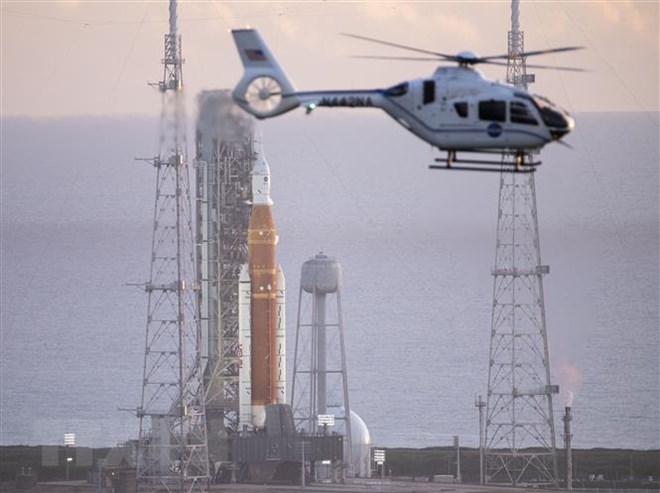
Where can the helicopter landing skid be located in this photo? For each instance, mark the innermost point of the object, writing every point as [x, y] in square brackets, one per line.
[518, 165]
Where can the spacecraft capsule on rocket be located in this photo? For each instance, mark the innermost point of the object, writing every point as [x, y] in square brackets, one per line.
[261, 180]
[261, 326]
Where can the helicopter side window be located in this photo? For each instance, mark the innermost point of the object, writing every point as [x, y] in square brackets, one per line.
[398, 90]
[494, 111]
[461, 109]
[429, 91]
[519, 113]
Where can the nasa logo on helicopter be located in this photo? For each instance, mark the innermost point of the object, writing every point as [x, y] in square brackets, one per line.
[456, 109]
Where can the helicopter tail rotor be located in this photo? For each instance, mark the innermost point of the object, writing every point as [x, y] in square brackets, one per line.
[264, 91]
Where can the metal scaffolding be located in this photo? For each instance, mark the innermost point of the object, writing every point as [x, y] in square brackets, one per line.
[519, 442]
[172, 447]
[224, 162]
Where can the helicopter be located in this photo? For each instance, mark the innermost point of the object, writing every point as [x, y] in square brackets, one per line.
[455, 110]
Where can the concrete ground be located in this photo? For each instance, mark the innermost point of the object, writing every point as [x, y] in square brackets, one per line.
[365, 486]
[353, 486]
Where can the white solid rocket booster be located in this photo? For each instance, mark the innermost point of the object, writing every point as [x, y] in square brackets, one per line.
[244, 341]
[280, 336]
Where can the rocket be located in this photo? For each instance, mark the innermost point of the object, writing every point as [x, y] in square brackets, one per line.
[261, 308]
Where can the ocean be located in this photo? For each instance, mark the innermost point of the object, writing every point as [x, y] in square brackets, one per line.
[416, 247]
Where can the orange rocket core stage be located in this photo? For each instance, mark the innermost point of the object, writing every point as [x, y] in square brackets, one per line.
[262, 240]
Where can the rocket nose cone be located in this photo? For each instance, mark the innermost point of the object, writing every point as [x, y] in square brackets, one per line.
[261, 179]
[261, 164]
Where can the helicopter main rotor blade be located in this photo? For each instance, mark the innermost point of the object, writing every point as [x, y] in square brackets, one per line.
[439, 60]
[403, 47]
[534, 65]
[553, 67]
[531, 53]
[462, 60]
[407, 58]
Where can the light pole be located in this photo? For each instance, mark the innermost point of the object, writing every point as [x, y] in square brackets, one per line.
[68, 460]
[302, 461]
[568, 436]
[458, 458]
[69, 441]
[379, 459]
[480, 404]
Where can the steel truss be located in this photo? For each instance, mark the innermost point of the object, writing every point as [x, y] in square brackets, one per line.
[519, 442]
[223, 176]
[172, 447]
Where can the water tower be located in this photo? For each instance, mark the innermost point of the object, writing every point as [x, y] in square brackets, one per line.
[319, 393]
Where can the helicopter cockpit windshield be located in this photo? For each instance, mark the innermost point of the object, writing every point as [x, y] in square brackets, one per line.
[558, 121]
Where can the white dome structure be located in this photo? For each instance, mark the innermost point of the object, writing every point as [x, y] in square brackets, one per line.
[361, 442]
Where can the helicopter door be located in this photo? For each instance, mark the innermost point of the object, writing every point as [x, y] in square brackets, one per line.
[428, 95]
[492, 120]
[426, 106]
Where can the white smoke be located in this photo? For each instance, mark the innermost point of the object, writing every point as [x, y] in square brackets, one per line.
[570, 380]
[219, 120]
[569, 399]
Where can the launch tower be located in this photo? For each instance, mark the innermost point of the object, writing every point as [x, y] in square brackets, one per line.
[224, 162]
[519, 442]
[172, 447]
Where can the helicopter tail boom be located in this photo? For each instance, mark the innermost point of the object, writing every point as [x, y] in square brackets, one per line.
[264, 91]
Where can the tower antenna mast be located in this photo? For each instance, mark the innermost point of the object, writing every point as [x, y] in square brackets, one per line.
[519, 442]
[172, 447]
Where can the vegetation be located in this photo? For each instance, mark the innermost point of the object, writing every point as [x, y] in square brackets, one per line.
[593, 468]
[49, 463]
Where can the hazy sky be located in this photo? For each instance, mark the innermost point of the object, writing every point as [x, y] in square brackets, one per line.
[91, 57]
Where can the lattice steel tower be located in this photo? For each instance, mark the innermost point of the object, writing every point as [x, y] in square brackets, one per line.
[519, 442]
[172, 448]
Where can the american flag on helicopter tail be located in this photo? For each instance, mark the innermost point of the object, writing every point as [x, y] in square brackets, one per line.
[255, 55]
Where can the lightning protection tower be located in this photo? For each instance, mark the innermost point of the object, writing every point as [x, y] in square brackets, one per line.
[320, 383]
[172, 447]
[519, 442]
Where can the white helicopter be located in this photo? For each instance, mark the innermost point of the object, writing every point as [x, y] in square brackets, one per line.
[456, 109]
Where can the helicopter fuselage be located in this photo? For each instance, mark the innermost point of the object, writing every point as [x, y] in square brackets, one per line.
[456, 109]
